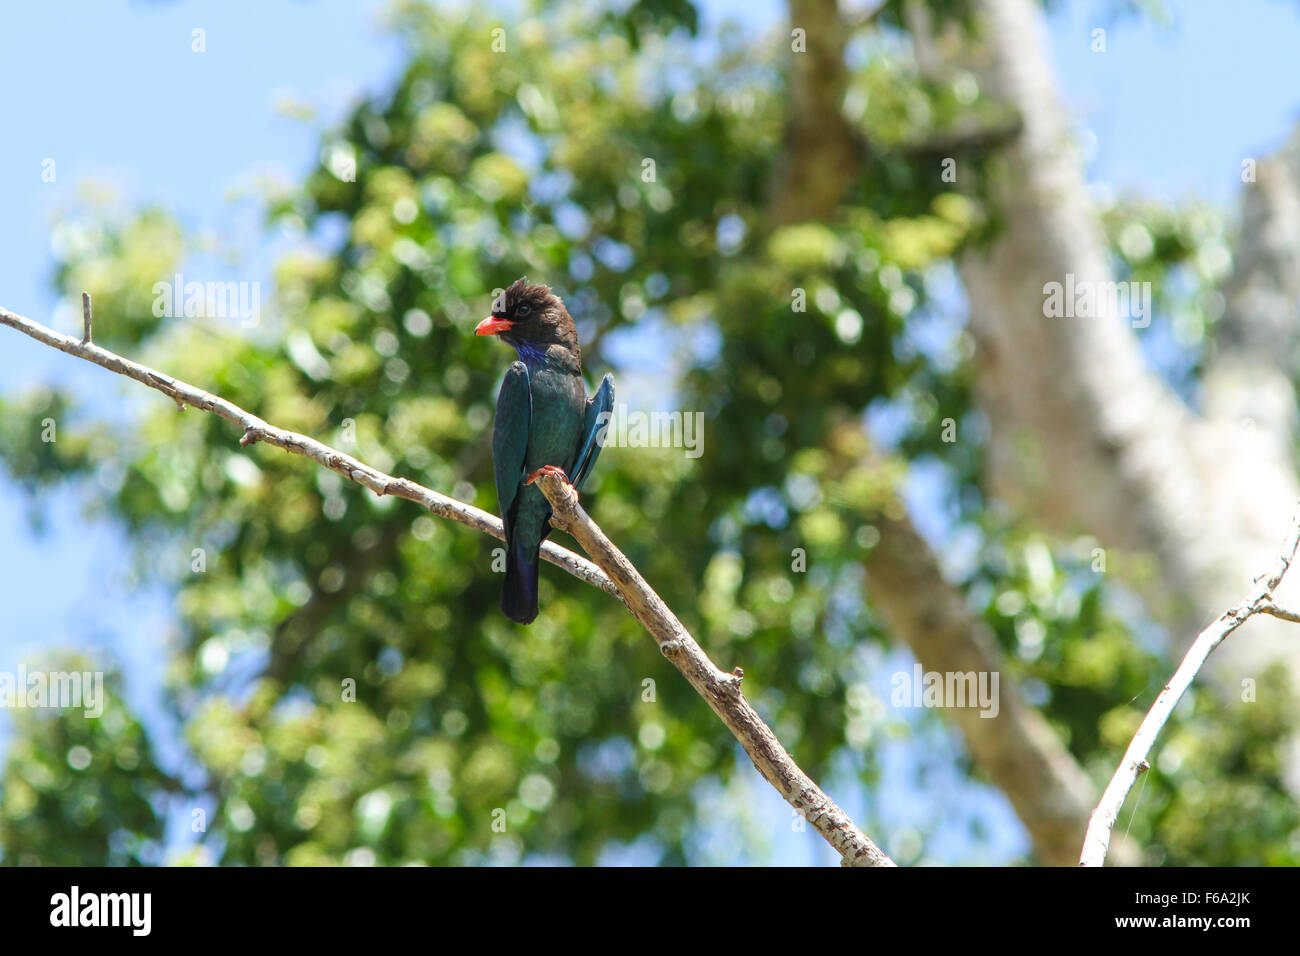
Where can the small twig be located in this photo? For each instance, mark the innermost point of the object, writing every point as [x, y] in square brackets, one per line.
[1097, 839]
[85, 318]
[1285, 613]
[719, 689]
[619, 578]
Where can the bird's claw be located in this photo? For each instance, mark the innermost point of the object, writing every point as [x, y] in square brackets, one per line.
[552, 470]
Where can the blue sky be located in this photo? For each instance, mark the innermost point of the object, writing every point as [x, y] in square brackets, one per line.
[113, 92]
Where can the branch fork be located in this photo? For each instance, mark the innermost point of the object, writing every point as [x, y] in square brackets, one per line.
[1097, 840]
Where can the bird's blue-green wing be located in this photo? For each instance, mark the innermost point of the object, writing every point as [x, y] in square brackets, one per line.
[510, 436]
[595, 421]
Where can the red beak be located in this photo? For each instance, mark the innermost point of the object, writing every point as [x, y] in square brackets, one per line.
[492, 325]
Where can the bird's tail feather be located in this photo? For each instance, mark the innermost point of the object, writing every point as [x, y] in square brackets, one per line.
[519, 593]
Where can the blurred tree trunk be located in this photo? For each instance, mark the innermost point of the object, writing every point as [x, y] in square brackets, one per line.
[1050, 792]
[1084, 436]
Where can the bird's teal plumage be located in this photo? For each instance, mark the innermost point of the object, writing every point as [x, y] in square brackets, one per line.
[510, 434]
[595, 421]
[543, 418]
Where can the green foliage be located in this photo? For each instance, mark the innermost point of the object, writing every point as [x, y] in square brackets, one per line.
[1222, 764]
[348, 690]
[81, 790]
[1215, 794]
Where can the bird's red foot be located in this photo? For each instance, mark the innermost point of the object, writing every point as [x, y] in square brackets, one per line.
[551, 470]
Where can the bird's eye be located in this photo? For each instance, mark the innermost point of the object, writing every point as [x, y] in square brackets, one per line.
[523, 310]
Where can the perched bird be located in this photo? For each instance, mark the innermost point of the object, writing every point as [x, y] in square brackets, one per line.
[544, 422]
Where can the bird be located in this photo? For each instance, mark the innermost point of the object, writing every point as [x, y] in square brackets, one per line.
[544, 422]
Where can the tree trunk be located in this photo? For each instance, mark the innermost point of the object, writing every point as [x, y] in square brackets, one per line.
[1084, 436]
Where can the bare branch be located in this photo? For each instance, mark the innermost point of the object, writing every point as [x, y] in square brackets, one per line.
[255, 430]
[1134, 763]
[965, 138]
[719, 689]
[619, 578]
[85, 318]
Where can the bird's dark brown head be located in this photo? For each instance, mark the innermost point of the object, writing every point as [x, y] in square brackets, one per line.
[531, 318]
